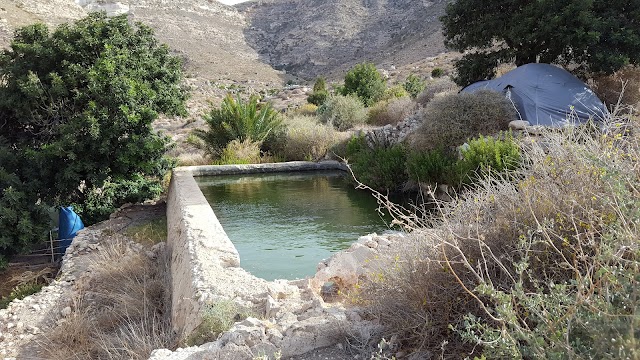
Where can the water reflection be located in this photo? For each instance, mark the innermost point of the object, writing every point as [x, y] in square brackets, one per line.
[284, 224]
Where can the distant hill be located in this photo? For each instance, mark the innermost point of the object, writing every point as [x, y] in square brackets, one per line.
[326, 37]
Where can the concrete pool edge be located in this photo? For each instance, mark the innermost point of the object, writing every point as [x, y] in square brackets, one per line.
[199, 247]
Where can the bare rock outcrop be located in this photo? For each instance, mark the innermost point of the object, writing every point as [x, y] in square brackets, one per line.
[330, 36]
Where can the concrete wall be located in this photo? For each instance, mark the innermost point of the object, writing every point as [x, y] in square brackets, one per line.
[205, 265]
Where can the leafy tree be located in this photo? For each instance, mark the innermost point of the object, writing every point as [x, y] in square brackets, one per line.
[239, 120]
[598, 36]
[77, 106]
[23, 220]
[364, 81]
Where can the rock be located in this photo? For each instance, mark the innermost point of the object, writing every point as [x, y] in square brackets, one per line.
[11, 325]
[382, 241]
[329, 291]
[271, 307]
[517, 125]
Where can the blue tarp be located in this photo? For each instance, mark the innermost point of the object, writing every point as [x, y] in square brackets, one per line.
[547, 95]
[69, 224]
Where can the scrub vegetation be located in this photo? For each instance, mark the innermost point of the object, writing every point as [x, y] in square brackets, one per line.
[539, 262]
[77, 105]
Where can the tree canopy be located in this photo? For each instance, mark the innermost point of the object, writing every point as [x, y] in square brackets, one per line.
[76, 112]
[365, 82]
[594, 36]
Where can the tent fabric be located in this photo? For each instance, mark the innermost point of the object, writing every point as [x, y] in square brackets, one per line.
[69, 223]
[546, 95]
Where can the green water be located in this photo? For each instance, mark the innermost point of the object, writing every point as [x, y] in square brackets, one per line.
[284, 224]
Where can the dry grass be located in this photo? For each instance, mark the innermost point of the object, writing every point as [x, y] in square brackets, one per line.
[390, 112]
[121, 309]
[448, 121]
[149, 233]
[193, 159]
[486, 260]
[306, 139]
[435, 87]
[241, 152]
[306, 110]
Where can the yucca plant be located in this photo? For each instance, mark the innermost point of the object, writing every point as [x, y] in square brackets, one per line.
[240, 120]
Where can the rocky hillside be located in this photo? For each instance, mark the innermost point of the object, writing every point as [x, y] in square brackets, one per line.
[326, 37]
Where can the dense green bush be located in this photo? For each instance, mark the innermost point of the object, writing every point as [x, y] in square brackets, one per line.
[448, 121]
[318, 97]
[484, 154]
[237, 119]
[77, 106]
[436, 167]
[382, 169]
[365, 82]
[101, 202]
[320, 93]
[24, 221]
[343, 112]
[414, 85]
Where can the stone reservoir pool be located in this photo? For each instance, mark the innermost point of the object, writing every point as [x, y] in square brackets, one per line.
[283, 224]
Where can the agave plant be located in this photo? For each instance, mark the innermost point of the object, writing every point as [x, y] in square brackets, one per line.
[240, 120]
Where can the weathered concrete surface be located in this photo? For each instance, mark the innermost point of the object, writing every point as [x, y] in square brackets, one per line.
[263, 168]
[205, 263]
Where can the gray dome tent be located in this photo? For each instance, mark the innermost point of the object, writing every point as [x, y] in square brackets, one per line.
[547, 95]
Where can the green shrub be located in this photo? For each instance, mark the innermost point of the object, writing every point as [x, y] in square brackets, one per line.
[436, 167]
[306, 139]
[382, 169]
[20, 292]
[365, 82]
[240, 152]
[77, 105]
[540, 265]
[449, 121]
[433, 88]
[318, 97]
[23, 220]
[343, 112]
[101, 202]
[320, 84]
[414, 85]
[390, 111]
[217, 318]
[484, 154]
[437, 72]
[394, 92]
[237, 119]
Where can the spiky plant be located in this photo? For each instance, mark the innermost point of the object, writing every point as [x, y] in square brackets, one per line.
[240, 120]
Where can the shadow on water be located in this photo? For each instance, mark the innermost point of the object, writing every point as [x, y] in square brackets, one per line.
[284, 224]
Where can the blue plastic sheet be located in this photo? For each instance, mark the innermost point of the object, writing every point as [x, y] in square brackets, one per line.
[68, 226]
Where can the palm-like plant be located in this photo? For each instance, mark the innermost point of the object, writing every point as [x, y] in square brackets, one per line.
[238, 120]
